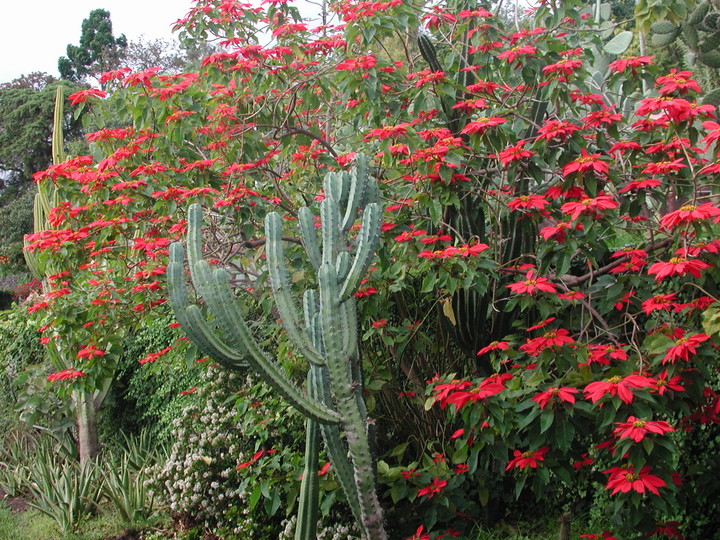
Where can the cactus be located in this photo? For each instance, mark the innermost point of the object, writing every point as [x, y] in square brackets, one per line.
[700, 34]
[46, 197]
[324, 332]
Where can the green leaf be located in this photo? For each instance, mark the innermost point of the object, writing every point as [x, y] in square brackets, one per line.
[619, 43]
[546, 420]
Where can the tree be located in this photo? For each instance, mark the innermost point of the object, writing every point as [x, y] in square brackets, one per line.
[169, 56]
[99, 50]
[26, 118]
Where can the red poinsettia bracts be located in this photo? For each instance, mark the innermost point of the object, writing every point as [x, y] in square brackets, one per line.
[552, 395]
[532, 284]
[524, 460]
[637, 429]
[625, 479]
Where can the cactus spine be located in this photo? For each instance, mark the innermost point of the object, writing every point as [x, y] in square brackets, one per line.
[324, 331]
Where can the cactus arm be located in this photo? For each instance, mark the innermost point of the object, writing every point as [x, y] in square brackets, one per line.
[281, 290]
[306, 527]
[366, 244]
[215, 287]
[360, 186]
[335, 448]
[194, 239]
[232, 323]
[58, 156]
[344, 390]
[342, 265]
[190, 317]
[309, 236]
[330, 217]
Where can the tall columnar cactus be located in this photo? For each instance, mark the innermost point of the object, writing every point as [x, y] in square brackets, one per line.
[700, 32]
[46, 197]
[324, 332]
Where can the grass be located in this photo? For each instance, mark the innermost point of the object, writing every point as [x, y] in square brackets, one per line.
[34, 525]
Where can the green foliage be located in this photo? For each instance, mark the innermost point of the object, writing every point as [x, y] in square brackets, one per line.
[149, 396]
[97, 52]
[26, 120]
[16, 220]
[19, 345]
[234, 463]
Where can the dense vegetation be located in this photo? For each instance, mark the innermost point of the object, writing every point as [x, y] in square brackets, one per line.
[536, 335]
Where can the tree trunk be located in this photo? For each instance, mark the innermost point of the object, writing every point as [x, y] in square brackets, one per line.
[87, 427]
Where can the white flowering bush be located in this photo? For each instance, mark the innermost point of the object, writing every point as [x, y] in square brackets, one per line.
[235, 461]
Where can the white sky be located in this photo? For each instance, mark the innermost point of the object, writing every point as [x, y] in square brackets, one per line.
[34, 35]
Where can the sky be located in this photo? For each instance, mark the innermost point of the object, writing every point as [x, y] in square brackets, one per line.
[33, 36]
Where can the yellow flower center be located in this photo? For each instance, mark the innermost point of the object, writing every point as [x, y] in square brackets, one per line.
[688, 208]
[639, 423]
[677, 260]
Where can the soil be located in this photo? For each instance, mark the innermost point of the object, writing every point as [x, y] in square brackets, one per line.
[15, 504]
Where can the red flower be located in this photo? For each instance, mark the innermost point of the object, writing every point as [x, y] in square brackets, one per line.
[605, 116]
[482, 124]
[602, 354]
[565, 67]
[557, 232]
[625, 479]
[640, 184]
[571, 295]
[677, 81]
[660, 302]
[387, 132]
[453, 251]
[556, 129]
[89, 351]
[511, 54]
[661, 168]
[636, 429]
[566, 394]
[586, 162]
[684, 348]
[515, 152]
[617, 386]
[670, 529]
[589, 206]
[361, 62]
[531, 284]
[604, 536]
[434, 488]
[632, 62]
[523, 460]
[677, 266]
[688, 214]
[82, 95]
[635, 260]
[528, 202]
[487, 388]
[65, 374]
[663, 384]
[554, 338]
[419, 534]
[494, 346]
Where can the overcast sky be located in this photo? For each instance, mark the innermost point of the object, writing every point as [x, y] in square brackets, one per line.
[34, 35]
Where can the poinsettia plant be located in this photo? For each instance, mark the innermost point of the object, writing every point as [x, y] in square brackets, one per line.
[545, 289]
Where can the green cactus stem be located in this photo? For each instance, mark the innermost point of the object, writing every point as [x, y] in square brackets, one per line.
[324, 331]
